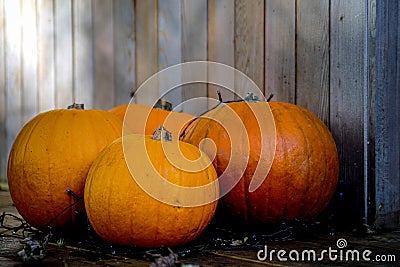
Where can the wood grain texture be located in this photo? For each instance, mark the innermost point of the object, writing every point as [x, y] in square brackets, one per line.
[249, 42]
[312, 56]
[3, 108]
[13, 69]
[103, 54]
[64, 84]
[387, 107]
[46, 55]
[221, 49]
[124, 50]
[194, 48]
[169, 47]
[29, 42]
[346, 101]
[280, 59]
[83, 52]
[369, 116]
[146, 43]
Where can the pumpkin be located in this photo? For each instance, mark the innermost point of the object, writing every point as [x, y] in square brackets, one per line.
[142, 119]
[122, 211]
[304, 170]
[49, 162]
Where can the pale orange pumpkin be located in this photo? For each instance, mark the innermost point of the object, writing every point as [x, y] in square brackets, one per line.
[49, 161]
[121, 212]
[304, 171]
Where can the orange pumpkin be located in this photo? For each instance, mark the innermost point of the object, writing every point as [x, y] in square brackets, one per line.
[304, 170]
[121, 212]
[50, 159]
[144, 119]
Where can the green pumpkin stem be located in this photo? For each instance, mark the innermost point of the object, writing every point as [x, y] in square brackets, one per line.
[162, 134]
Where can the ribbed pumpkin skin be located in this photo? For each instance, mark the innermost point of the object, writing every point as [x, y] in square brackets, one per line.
[53, 153]
[304, 171]
[122, 213]
[137, 119]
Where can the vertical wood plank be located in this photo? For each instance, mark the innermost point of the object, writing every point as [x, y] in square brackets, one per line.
[249, 42]
[194, 48]
[13, 69]
[124, 50]
[388, 113]
[312, 59]
[280, 49]
[221, 23]
[46, 55]
[3, 110]
[29, 91]
[83, 52]
[146, 44]
[103, 33]
[369, 116]
[169, 45]
[346, 102]
[64, 95]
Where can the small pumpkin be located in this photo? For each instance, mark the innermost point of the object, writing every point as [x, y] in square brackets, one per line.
[304, 170]
[122, 212]
[142, 119]
[49, 161]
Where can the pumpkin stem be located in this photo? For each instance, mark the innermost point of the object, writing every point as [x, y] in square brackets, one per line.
[163, 104]
[270, 97]
[219, 96]
[76, 106]
[162, 134]
[251, 97]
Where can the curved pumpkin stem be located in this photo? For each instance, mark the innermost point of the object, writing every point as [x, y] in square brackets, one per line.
[76, 106]
[162, 134]
[219, 96]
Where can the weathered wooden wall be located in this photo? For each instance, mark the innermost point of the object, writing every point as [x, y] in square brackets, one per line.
[317, 54]
[387, 113]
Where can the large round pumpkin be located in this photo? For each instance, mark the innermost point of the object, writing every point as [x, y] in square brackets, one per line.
[122, 212]
[49, 162]
[304, 170]
[142, 119]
